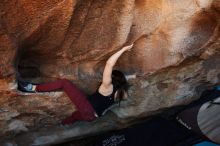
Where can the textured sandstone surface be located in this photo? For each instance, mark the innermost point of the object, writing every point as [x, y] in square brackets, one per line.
[175, 57]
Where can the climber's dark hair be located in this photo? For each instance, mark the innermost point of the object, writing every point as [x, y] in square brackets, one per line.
[120, 83]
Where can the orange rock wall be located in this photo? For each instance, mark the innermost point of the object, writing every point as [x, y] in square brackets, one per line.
[175, 57]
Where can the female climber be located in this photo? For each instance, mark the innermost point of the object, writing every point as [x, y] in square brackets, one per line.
[113, 88]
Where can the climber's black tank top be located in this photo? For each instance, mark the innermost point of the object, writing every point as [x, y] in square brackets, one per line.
[100, 102]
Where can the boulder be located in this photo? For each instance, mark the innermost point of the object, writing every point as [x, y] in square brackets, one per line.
[175, 57]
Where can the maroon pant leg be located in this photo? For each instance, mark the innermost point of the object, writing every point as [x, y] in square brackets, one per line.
[76, 96]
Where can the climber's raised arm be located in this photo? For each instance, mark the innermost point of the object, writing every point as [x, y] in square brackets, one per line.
[106, 79]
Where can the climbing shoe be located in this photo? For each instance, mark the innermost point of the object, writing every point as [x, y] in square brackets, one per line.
[25, 87]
